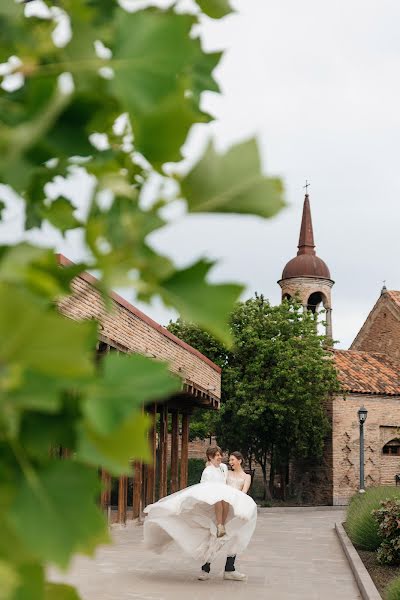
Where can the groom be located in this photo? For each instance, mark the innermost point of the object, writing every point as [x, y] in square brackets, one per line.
[214, 457]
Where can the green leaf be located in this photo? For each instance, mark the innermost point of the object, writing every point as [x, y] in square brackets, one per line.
[34, 391]
[60, 591]
[156, 62]
[150, 52]
[161, 133]
[126, 384]
[41, 431]
[41, 339]
[58, 517]
[113, 452]
[60, 213]
[3, 206]
[216, 9]
[37, 269]
[208, 305]
[9, 580]
[31, 584]
[232, 183]
[10, 8]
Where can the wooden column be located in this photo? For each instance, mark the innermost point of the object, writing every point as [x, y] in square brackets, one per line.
[184, 451]
[122, 499]
[105, 498]
[175, 452]
[137, 489]
[163, 449]
[151, 469]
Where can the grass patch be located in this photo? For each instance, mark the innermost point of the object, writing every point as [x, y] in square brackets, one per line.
[393, 590]
[361, 526]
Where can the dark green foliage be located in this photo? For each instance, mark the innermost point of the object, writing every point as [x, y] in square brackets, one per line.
[203, 341]
[361, 525]
[275, 380]
[279, 377]
[196, 467]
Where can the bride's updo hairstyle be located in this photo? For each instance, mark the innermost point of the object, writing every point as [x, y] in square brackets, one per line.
[238, 456]
[212, 451]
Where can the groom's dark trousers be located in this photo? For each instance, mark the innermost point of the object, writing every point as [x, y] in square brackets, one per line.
[229, 565]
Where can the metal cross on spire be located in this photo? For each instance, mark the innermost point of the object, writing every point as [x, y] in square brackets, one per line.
[306, 187]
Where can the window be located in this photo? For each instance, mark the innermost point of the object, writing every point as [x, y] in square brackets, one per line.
[392, 448]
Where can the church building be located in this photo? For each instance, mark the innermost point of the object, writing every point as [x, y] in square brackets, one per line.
[369, 373]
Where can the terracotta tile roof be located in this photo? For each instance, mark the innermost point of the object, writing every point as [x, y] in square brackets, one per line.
[394, 295]
[368, 372]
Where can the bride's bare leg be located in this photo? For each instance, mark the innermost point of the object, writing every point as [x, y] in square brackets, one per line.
[218, 507]
[219, 514]
[225, 511]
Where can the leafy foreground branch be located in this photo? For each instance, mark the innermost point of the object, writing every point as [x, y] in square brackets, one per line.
[137, 79]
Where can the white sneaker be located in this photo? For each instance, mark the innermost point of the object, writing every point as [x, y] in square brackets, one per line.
[235, 576]
[220, 530]
[204, 576]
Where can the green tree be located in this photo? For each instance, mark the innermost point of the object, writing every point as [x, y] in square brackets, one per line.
[202, 423]
[136, 78]
[279, 376]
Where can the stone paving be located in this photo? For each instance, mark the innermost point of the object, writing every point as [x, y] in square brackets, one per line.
[294, 555]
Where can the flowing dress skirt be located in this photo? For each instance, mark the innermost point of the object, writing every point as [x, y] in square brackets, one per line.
[188, 518]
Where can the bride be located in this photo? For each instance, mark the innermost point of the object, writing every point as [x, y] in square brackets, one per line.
[193, 517]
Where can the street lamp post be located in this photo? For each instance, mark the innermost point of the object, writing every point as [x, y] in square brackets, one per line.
[362, 417]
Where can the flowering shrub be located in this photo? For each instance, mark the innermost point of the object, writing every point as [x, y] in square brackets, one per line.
[388, 518]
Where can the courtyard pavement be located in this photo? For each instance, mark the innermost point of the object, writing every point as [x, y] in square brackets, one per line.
[294, 555]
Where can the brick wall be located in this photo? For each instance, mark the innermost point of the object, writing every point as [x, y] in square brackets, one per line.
[134, 334]
[381, 330]
[381, 426]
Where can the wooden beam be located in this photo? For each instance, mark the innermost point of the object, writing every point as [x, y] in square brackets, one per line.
[105, 498]
[163, 449]
[151, 469]
[137, 489]
[175, 452]
[122, 499]
[184, 451]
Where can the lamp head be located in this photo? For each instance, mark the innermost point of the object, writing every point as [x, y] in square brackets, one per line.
[362, 414]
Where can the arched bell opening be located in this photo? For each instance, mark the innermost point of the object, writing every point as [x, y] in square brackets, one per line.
[314, 301]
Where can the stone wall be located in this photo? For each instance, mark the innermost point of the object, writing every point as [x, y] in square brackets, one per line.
[381, 426]
[303, 287]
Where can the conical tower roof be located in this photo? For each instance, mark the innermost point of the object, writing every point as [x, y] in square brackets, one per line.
[306, 263]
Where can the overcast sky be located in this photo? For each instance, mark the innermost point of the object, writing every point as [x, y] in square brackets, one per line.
[318, 83]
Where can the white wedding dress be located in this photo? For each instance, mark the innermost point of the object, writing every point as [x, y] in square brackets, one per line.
[187, 517]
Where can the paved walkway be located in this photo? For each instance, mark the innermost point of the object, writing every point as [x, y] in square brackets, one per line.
[294, 555]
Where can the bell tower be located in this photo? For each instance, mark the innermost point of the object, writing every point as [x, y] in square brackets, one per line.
[306, 276]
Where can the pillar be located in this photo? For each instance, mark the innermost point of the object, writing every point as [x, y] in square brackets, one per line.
[328, 319]
[184, 451]
[151, 469]
[105, 498]
[137, 489]
[163, 449]
[122, 499]
[175, 452]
